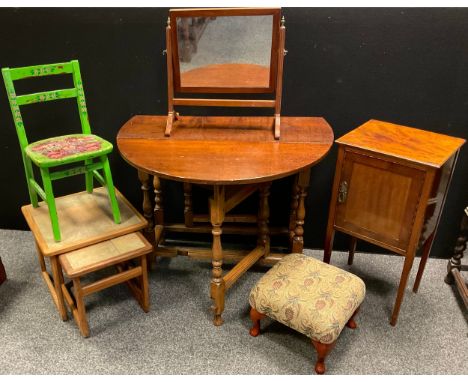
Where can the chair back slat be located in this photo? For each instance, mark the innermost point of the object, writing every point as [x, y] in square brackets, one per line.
[52, 95]
[40, 70]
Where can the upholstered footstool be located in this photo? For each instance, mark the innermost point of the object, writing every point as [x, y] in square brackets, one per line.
[312, 297]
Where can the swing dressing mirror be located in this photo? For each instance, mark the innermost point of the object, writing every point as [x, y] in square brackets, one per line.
[224, 50]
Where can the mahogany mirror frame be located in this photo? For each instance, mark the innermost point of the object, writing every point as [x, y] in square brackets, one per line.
[275, 74]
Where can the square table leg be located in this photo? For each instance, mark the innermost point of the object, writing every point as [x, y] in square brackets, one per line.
[55, 282]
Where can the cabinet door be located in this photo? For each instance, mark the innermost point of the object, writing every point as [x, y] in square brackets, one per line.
[378, 200]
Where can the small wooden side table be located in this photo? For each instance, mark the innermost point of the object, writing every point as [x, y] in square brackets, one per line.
[236, 156]
[389, 189]
[86, 219]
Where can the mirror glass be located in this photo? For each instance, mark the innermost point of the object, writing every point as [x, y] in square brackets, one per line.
[225, 51]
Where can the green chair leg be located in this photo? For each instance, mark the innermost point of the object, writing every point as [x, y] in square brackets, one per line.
[89, 178]
[110, 188]
[50, 200]
[30, 175]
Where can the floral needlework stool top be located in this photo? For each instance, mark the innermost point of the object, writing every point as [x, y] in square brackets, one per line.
[312, 297]
[67, 148]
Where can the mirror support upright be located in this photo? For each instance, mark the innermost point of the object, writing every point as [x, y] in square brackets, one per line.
[171, 115]
[279, 78]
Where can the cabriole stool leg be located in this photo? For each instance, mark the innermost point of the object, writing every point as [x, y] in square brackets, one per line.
[322, 352]
[255, 316]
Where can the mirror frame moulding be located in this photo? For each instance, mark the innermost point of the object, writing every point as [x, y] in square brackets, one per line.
[223, 12]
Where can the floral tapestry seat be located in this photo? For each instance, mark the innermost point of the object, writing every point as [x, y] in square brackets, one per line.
[67, 149]
[312, 297]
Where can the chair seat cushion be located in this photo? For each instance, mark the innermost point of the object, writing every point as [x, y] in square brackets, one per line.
[312, 297]
[67, 148]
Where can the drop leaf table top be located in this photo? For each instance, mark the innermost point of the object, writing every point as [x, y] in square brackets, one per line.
[224, 150]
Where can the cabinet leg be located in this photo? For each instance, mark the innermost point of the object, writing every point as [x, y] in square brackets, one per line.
[401, 288]
[328, 246]
[422, 263]
[352, 249]
[217, 287]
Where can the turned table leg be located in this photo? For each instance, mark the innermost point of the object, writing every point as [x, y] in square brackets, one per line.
[217, 287]
[298, 239]
[263, 215]
[292, 215]
[188, 212]
[158, 211]
[147, 204]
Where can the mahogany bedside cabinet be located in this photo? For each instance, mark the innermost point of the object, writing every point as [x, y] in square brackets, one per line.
[389, 189]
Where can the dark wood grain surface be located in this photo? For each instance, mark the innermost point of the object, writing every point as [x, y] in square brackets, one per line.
[421, 146]
[224, 150]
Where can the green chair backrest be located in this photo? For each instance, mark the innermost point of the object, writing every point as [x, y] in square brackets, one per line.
[13, 74]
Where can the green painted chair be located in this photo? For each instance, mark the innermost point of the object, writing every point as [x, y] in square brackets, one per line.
[87, 149]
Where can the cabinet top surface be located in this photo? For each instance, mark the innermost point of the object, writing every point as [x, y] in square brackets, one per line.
[223, 150]
[415, 145]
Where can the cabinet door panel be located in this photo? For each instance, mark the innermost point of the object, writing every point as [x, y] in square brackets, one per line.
[380, 201]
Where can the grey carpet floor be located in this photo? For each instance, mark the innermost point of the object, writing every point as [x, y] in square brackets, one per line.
[177, 336]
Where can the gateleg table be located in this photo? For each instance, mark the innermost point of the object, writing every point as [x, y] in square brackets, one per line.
[237, 156]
